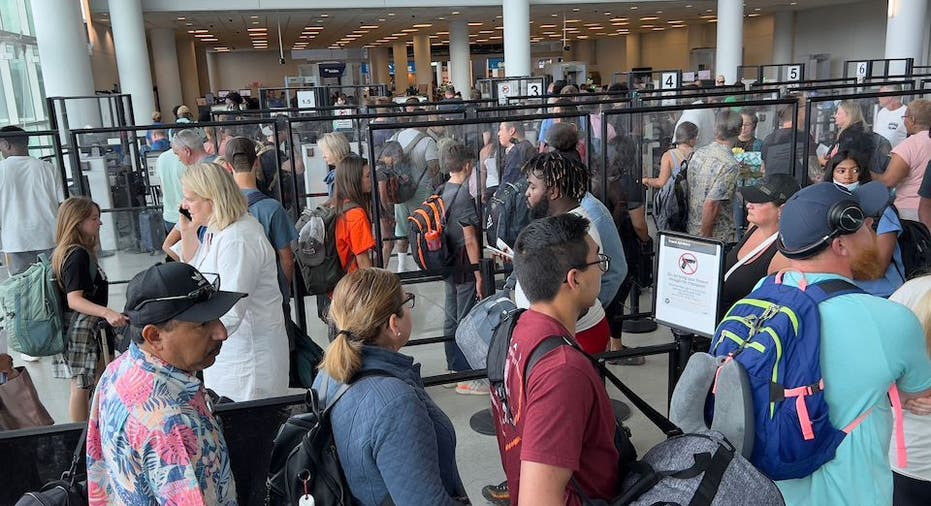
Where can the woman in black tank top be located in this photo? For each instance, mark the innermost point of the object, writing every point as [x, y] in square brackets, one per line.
[755, 256]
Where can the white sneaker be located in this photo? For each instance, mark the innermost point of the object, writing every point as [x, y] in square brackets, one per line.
[474, 387]
[29, 358]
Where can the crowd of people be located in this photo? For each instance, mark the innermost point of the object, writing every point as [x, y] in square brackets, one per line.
[218, 316]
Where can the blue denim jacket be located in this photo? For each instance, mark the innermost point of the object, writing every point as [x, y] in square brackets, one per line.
[391, 437]
[611, 245]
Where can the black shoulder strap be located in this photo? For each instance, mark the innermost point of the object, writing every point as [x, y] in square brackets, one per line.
[547, 345]
[663, 423]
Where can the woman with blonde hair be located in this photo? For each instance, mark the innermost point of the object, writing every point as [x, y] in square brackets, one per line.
[852, 134]
[335, 147]
[253, 363]
[395, 445]
[84, 284]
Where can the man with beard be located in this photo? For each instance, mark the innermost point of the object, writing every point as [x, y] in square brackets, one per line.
[868, 344]
[557, 185]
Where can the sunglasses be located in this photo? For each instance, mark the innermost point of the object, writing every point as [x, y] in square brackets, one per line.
[200, 294]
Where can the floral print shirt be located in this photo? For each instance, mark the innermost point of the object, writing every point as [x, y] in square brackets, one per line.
[712, 175]
[152, 439]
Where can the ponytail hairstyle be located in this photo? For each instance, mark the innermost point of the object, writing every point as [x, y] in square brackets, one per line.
[68, 233]
[363, 302]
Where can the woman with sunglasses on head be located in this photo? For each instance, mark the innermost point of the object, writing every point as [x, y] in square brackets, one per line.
[253, 363]
[845, 169]
[84, 284]
[395, 445]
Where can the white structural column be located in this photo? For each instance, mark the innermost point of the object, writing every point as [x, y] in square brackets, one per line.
[422, 71]
[167, 72]
[729, 53]
[213, 71]
[905, 27]
[516, 37]
[399, 52]
[783, 36]
[66, 66]
[460, 57]
[132, 57]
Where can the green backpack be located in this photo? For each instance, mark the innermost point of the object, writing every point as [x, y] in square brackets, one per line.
[31, 310]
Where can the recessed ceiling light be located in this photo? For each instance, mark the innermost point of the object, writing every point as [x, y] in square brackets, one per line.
[324, 15]
[476, 23]
[634, 7]
[455, 13]
[620, 23]
[313, 28]
[391, 14]
[210, 40]
[575, 9]
[189, 24]
[423, 25]
[688, 6]
[257, 29]
[658, 29]
[649, 18]
[254, 16]
[547, 26]
[572, 20]
[753, 15]
[554, 15]
[181, 18]
[647, 26]
[381, 19]
[409, 30]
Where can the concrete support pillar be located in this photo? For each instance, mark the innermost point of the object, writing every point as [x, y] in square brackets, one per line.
[378, 64]
[783, 37]
[516, 15]
[422, 59]
[213, 71]
[187, 65]
[63, 55]
[132, 57]
[729, 50]
[167, 72]
[633, 50]
[439, 73]
[460, 57]
[905, 28]
[399, 50]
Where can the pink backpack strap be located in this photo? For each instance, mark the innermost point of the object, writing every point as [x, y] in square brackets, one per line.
[900, 451]
[802, 283]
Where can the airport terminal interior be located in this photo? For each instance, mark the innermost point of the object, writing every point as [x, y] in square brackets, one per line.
[97, 84]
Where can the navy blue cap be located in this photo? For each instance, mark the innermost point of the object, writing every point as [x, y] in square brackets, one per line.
[805, 226]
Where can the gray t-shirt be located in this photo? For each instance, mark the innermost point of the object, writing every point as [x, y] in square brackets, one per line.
[460, 212]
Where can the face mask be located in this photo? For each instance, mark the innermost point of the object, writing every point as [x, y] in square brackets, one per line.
[850, 187]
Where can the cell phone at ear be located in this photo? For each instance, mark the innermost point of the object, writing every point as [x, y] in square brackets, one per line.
[185, 212]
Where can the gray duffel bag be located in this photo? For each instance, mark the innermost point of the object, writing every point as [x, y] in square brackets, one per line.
[697, 469]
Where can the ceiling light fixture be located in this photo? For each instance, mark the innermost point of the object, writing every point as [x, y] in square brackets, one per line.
[423, 25]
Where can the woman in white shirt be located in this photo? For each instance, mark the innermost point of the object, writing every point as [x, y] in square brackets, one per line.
[254, 361]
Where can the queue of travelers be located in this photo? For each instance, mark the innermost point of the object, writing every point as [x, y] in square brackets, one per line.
[221, 312]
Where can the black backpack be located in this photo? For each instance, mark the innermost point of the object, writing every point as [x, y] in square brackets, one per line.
[915, 245]
[315, 251]
[671, 202]
[429, 245]
[304, 458]
[506, 213]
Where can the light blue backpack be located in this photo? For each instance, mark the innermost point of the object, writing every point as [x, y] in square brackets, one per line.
[31, 310]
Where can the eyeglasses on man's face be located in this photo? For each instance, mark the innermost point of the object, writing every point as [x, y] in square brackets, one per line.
[603, 263]
[199, 294]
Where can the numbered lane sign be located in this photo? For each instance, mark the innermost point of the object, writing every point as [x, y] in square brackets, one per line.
[534, 89]
[306, 99]
[862, 68]
[669, 80]
[794, 73]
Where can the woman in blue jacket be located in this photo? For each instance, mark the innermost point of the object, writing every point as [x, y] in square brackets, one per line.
[395, 445]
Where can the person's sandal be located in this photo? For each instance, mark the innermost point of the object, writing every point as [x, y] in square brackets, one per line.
[497, 494]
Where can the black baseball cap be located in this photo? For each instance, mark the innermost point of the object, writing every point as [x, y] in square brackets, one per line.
[188, 296]
[775, 188]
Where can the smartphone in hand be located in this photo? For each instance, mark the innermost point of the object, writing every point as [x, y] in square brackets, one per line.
[185, 212]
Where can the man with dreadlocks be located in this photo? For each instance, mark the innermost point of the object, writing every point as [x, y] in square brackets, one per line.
[557, 185]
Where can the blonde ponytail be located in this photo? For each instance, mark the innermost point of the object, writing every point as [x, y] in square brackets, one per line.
[343, 358]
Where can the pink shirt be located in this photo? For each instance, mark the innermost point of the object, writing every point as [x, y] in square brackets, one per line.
[916, 152]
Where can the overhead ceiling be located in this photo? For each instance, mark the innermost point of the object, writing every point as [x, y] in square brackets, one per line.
[336, 28]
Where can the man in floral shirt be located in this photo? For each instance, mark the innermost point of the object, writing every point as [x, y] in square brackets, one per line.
[712, 181]
[151, 437]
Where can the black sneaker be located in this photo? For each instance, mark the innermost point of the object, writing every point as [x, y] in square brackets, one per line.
[497, 494]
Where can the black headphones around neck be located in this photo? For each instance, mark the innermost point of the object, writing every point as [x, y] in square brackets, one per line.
[844, 217]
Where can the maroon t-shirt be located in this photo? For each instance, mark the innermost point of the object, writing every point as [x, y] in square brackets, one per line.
[564, 418]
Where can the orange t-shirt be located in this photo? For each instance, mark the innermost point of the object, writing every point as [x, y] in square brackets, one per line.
[353, 237]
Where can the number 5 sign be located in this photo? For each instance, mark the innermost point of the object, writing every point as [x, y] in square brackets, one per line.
[794, 73]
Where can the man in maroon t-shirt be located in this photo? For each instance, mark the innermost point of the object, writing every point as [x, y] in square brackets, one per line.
[563, 425]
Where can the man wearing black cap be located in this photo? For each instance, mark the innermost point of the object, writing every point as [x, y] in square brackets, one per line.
[151, 435]
[868, 344]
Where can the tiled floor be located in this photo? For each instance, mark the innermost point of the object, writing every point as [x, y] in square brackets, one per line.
[479, 462]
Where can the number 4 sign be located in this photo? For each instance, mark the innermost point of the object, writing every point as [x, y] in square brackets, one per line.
[669, 80]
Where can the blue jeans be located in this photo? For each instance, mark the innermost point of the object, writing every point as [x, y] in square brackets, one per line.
[460, 297]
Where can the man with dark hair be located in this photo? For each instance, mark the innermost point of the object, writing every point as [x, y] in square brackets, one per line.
[517, 149]
[712, 181]
[151, 437]
[30, 191]
[462, 230]
[867, 343]
[557, 185]
[776, 151]
[563, 425]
